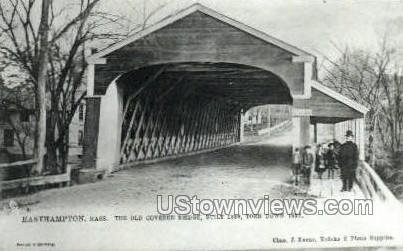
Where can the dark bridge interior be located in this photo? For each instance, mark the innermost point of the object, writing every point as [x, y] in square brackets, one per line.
[173, 109]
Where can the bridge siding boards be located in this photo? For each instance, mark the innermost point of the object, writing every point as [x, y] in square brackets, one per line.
[200, 38]
[324, 106]
[331, 188]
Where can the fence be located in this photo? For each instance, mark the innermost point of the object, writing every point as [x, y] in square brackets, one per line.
[372, 185]
[11, 179]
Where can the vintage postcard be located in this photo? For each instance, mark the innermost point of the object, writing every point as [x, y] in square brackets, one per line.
[201, 125]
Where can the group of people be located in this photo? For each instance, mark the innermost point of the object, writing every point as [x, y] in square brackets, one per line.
[335, 156]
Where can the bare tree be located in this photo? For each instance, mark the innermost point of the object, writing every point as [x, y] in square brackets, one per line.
[71, 26]
[370, 78]
[140, 14]
[391, 119]
[40, 87]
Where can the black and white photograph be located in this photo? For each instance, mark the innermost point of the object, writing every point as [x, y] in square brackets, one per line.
[201, 125]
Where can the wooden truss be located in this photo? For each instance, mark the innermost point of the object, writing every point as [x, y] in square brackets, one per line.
[154, 129]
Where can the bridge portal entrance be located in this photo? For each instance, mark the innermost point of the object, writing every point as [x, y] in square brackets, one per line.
[176, 109]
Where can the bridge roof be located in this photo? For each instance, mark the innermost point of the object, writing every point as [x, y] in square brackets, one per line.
[329, 106]
[339, 97]
[201, 8]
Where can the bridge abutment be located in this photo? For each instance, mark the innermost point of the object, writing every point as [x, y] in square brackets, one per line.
[110, 129]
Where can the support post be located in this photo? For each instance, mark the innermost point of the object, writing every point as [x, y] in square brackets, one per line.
[334, 132]
[315, 133]
[304, 129]
[269, 118]
[361, 139]
[241, 125]
[301, 123]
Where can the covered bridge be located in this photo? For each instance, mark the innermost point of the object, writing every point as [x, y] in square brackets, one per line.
[182, 85]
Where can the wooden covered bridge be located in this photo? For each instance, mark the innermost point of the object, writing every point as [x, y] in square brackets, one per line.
[182, 85]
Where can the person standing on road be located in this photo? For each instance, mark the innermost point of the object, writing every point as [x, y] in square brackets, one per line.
[296, 165]
[330, 161]
[307, 163]
[320, 161]
[348, 161]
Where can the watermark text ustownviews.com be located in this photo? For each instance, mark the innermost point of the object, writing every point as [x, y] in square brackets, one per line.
[192, 205]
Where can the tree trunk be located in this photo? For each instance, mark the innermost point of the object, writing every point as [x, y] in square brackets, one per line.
[40, 92]
[51, 145]
[51, 153]
[65, 157]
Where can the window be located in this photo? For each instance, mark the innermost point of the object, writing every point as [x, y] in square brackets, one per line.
[80, 137]
[24, 116]
[81, 112]
[8, 138]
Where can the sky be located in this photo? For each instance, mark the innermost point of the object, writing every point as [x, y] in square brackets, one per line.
[313, 25]
[316, 26]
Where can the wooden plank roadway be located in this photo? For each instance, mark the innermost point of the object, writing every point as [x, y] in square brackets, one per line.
[331, 188]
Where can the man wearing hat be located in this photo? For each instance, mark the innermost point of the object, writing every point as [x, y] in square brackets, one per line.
[348, 161]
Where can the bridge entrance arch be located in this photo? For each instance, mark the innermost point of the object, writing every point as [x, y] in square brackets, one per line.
[169, 110]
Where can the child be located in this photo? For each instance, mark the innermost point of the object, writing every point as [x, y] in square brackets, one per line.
[320, 161]
[331, 161]
[307, 162]
[296, 165]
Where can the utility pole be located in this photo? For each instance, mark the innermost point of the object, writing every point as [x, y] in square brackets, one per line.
[40, 92]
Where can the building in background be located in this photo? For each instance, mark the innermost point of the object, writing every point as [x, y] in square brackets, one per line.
[17, 132]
